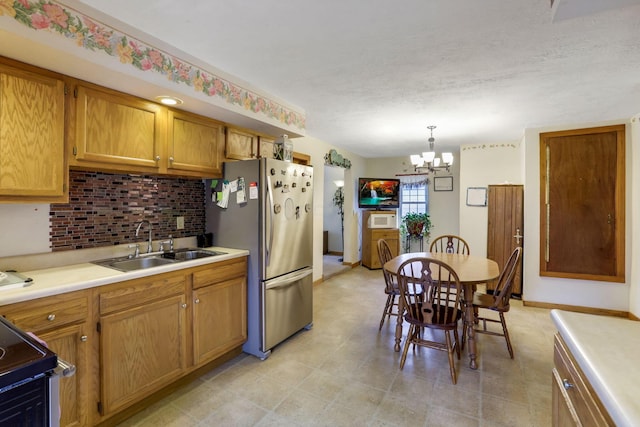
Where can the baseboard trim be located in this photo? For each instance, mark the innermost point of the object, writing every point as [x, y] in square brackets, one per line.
[578, 309]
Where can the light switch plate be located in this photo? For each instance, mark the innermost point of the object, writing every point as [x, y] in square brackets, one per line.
[180, 223]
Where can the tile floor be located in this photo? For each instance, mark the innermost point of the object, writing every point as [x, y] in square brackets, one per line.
[343, 372]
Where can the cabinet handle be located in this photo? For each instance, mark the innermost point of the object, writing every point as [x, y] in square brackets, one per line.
[197, 301]
[566, 384]
[83, 338]
[184, 305]
[51, 317]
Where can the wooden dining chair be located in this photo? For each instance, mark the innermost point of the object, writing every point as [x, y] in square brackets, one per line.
[391, 285]
[449, 244]
[498, 302]
[435, 307]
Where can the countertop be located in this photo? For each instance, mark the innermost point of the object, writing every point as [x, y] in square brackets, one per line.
[607, 350]
[74, 277]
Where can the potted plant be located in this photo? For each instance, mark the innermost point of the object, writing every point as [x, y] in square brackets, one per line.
[416, 225]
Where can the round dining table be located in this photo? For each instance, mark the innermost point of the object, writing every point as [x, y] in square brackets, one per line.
[471, 270]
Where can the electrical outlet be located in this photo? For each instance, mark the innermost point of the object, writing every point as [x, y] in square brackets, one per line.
[180, 223]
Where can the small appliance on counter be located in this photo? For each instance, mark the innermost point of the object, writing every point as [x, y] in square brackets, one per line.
[12, 280]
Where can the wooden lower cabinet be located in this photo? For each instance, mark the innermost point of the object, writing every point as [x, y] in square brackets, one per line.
[370, 237]
[131, 340]
[220, 307]
[62, 322]
[142, 349]
[574, 402]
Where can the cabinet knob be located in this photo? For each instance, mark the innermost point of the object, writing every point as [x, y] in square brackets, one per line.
[184, 305]
[197, 301]
[83, 338]
[566, 384]
[51, 317]
[157, 158]
[171, 159]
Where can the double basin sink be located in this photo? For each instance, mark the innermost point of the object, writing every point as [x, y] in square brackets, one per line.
[157, 259]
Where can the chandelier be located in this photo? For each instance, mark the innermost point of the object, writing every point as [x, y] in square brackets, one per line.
[428, 162]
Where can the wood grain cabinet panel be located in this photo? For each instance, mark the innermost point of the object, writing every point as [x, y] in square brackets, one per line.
[574, 402]
[117, 130]
[143, 349]
[219, 319]
[32, 159]
[241, 145]
[195, 144]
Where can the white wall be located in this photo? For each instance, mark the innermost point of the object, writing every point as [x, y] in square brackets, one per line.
[317, 150]
[443, 205]
[585, 293]
[481, 166]
[24, 229]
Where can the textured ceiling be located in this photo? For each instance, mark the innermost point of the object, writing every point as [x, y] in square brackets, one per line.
[372, 75]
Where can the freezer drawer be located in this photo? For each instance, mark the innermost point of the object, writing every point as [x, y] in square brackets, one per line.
[288, 306]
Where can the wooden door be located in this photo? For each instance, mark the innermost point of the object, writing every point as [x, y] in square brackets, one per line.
[582, 204]
[505, 224]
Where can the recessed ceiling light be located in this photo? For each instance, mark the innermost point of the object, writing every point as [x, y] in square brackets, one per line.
[169, 100]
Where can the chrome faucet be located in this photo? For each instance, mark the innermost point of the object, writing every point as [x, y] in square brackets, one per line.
[149, 248]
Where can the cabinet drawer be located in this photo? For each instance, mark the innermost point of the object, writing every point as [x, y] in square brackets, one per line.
[383, 233]
[139, 292]
[220, 272]
[586, 403]
[48, 313]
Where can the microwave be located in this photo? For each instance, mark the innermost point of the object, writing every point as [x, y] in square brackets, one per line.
[382, 221]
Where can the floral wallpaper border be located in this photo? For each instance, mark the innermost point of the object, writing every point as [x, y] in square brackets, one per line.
[486, 146]
[95, 36]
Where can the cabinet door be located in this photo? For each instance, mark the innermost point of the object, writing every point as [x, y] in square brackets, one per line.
[70, 343]
[195, 144]
[265, 147]
[142, 349]
[563, 412]
[31, 136]
[114, 129]
[240, 145]
[220, 318]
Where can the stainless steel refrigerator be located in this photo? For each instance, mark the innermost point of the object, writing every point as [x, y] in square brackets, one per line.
[275, 223]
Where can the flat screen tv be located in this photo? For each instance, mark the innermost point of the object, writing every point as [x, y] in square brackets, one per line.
[378, 193]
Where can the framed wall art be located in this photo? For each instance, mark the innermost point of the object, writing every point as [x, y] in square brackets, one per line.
[442, 183]
[477, 196]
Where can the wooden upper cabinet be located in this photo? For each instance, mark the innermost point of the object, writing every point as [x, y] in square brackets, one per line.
[195, 144]
[32, 162]
[265, 147]
[117, 130]
[241, 145]
[582, 204]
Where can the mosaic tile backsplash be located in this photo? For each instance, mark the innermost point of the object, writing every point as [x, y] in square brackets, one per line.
[104, 209]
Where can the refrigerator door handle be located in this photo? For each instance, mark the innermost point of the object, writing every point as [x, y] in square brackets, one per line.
[270, 209]
[286, 280]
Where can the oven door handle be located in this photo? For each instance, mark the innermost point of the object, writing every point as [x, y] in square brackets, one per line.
[64, 368]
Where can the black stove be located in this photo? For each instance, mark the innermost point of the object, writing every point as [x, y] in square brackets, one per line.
[21, 356]
[28, 386]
